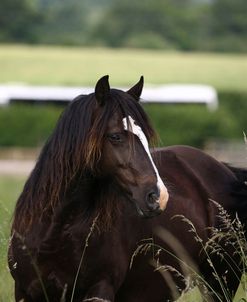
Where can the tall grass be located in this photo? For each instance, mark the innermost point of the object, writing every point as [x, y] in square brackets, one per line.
[9, 190]
[229, 233]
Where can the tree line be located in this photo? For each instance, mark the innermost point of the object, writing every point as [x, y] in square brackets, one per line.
[208, 25]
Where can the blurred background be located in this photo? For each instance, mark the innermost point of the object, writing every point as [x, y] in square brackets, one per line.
[69, 43]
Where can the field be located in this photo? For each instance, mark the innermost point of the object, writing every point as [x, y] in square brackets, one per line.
[42, 65]
[83, 66]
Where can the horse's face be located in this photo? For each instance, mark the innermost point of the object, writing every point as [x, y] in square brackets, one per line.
[126, 158]
[132, 167]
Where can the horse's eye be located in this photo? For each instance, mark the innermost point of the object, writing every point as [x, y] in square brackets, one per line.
[114, 137]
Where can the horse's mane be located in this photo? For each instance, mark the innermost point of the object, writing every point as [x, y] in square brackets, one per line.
[73, 149]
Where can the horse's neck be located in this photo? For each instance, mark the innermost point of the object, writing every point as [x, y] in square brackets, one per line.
[79, 198]
[91, 205]
[72, 210]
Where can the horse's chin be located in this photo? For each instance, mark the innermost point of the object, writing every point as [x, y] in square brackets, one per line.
[149, 214]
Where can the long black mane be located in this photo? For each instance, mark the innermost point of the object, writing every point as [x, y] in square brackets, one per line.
[72, 152]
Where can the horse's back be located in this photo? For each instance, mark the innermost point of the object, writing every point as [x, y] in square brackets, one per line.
[194, 159]
[178, 164]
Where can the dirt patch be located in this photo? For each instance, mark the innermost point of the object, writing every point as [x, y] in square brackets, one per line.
[16, 167]
[19, 153]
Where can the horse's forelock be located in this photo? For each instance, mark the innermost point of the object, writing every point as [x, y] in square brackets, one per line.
[130, 107]
[123, 105]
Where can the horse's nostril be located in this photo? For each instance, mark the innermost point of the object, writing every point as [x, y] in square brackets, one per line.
[152, 201]
[152, 197]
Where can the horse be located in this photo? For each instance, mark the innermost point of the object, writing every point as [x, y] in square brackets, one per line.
[97, 192]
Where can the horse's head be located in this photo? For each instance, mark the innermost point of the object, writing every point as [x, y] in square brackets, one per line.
[125, 155]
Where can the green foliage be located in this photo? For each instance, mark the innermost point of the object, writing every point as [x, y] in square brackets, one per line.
[171, 21]
[22, 125]
[18, 21]
[236, 104]
[218, 25]
[229, 16]
[25, 125]
[194, 124]
[64, 23]
[227, 26]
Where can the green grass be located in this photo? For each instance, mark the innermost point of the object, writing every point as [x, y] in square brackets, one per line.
[10, 188]
[195, 296]
[43, 65]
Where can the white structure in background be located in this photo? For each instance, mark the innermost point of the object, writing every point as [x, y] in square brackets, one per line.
[167, 94]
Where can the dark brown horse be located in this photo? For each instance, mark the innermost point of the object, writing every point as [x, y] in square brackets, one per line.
[81, 214]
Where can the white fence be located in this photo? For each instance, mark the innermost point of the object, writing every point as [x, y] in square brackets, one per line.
[167, 94]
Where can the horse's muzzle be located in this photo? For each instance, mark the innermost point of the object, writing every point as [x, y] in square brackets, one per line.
[151, 206]
[164, 196]
[157, 198]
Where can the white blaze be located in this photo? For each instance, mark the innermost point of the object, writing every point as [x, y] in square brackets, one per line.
[135, 129]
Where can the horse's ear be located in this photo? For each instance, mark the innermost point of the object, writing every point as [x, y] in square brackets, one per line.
[102, 90]
[136, 90]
